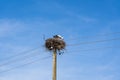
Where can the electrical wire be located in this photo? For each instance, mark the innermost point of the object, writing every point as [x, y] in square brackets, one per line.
[106, 34]
[93, 49]
[93, 42]
[68, 45]
[78, 45]
[19, 54]
[26, 57]
[18, 59]
[19, 66]
[34, 61]
[50, 56]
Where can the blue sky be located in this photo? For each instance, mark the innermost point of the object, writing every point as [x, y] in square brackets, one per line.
[23, 24]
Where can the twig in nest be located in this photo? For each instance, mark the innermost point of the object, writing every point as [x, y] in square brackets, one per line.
[55, 44]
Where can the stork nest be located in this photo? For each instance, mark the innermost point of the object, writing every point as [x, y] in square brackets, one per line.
[55, 44]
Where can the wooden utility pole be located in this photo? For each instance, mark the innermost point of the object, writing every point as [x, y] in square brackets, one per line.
[55, 44]
[54, 65]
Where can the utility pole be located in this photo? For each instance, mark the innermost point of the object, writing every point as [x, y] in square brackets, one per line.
[55, 44]
[54, 65]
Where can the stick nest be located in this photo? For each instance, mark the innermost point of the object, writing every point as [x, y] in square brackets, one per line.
[55, 44]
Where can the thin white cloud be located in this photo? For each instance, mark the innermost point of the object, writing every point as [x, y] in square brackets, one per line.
[75, 15]
[8, 27]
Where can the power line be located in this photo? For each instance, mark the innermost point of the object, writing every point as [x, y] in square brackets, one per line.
[25, 52]
[34, 61]
[50, 56]
[93, 42]
[18, 59]
[98, 48]
[106, 34]
[27, 57]
[68, 45]
[19, 54]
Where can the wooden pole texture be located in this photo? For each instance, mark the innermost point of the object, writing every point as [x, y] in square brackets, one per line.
[54, 65]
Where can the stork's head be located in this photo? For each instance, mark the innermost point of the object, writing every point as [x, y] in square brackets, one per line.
[58, 36]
